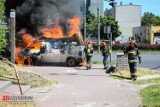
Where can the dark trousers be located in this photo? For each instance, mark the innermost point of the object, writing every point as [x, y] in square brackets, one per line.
[133, 68]
[105, 62]
[88, 58]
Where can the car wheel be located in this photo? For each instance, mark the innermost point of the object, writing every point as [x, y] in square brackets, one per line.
[71, 62]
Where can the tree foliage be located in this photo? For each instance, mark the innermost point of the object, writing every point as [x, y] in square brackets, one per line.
[150, 19]
[2, 27]
[2, 8]
[92, 25]
[108, 20]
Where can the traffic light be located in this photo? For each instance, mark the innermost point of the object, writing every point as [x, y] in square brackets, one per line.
[112, 3]
[114, 28]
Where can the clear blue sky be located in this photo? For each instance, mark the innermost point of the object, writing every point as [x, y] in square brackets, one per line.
[147, 5]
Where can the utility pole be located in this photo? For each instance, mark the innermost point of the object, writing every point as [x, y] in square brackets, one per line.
[98, 14]
[111, 44]
[84, 21]
[113, 4]
[12, 34]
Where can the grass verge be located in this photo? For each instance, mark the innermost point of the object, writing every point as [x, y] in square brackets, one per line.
[148, 81]
[126, 74]
[26, 77]
[17, 104]
[100, 62]
[151, 96]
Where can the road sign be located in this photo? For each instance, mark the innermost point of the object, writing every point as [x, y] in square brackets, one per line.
[107, 29]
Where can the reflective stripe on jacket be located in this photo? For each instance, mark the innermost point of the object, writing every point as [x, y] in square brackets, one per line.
[133, 54]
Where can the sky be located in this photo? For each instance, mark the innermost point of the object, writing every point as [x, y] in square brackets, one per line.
[146, 5]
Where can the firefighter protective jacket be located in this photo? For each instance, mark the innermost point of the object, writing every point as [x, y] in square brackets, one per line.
[88, 50]
[105, 50]
[133, 54]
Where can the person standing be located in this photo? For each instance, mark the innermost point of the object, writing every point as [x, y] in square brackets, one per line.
[105, 53]
[89, 52]
[133, 54]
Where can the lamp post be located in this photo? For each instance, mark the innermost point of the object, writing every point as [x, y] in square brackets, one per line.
[98, 14]
[85, 21]
[12, 34]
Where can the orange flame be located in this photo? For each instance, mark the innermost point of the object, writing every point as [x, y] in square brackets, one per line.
[74, 26]
[29, 42]
[21, 59]
[54, 32]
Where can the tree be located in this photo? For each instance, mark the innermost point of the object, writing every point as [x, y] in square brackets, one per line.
[150, 19]
[92, 25]
[108, 20]
[2, 27]
[2, 8]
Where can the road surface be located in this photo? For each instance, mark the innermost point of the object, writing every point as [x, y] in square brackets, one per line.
[150, 61]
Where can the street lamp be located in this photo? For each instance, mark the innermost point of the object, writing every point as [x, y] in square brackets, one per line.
[98, 14]
[85, 21]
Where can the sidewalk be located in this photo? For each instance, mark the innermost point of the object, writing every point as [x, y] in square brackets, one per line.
[85, 88]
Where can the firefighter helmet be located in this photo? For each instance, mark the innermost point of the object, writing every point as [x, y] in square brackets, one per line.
[103, 44]
[132, 42]
[89, 42]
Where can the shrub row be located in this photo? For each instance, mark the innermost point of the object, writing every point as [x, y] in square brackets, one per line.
[140, 46]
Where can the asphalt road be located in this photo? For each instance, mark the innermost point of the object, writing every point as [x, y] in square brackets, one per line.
[148, 61]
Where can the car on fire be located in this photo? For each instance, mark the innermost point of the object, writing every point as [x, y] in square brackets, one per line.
[69, 50]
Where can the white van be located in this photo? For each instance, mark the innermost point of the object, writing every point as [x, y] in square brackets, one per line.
[70, 52]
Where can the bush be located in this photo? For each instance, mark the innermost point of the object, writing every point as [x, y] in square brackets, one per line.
[2, 37]
[140, 46]
[3, 29]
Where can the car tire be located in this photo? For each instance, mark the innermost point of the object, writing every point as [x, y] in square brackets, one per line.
[71, 62]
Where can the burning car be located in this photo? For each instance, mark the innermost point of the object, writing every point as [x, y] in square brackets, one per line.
[69, 50]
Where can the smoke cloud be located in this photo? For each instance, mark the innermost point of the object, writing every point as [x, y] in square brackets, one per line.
[37, 14]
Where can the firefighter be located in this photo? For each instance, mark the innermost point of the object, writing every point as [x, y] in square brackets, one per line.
[89, 52]
[105, 53]
[133, 54]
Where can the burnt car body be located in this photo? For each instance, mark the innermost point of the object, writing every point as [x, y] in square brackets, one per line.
[69, 50]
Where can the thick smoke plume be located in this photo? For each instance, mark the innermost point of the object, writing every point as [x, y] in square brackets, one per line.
[37, 14]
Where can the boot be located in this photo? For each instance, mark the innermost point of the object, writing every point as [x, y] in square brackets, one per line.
[105, 67]
[132, 77]
[135, 77]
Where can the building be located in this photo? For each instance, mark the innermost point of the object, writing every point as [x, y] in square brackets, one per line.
[128, 16]
[91, 7]
[147, 34]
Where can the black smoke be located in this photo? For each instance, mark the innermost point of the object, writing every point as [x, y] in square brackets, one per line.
[37, 14]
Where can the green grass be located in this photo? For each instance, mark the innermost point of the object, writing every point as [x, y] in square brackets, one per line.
[26, 77]
[148, 81]
[151, 96]
[17, 104]
[101, 63]
[126, 74]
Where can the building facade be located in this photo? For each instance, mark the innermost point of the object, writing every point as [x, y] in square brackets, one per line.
[147, 34]
[91, 7]
[128, 16]
[94, 5]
